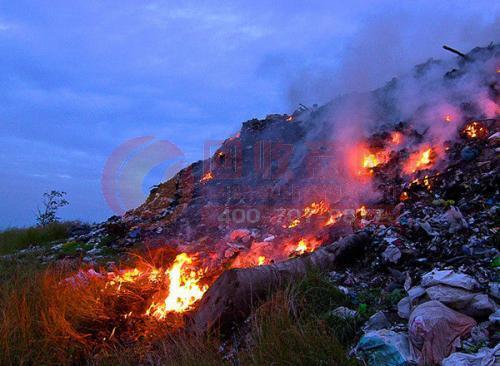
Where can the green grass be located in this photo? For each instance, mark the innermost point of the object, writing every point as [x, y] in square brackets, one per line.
[72, 247]
[14, 239]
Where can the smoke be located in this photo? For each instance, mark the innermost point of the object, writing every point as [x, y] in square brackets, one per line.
[435, 98]
[390, 39]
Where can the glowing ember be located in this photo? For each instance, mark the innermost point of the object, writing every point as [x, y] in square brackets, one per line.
[476, 130]
[404, 196]
[294, 223]
[208, 176]
[184, 289]
[261, 260]
[289, 118]
[448, 118]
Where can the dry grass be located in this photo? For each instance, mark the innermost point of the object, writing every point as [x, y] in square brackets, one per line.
[43, 320]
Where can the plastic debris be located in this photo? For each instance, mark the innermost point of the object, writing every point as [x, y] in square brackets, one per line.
[384, 348]
[435, 331]
[450, 278]
[485, 357]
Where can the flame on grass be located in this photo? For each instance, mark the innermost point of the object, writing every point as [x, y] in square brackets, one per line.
[184, 288]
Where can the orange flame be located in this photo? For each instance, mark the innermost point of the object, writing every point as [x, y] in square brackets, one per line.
[208, 176]
[448, 118]
[306, 245]
[315, 208]
[261, 260]
[333, 219]
[184, 289]
[419, 160]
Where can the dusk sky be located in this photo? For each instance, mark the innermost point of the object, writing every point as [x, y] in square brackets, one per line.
[80, 78]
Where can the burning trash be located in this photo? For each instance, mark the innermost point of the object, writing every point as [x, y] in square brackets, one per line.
[475, 130]
[423, 159]
[207, 177]
[315, 208]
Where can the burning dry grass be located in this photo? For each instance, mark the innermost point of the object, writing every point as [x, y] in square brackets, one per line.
[42, 322]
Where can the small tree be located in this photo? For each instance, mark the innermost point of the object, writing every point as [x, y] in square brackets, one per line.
[52, 202]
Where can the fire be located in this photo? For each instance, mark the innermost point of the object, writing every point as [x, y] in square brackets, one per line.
[362, 211]
[208, 176]
[404, 196]
[128, 276]
[476, 130]
[289, 118]
[333, 219]
[448, 118]
[396, 138]
[306, 245]
[261, 260]
[370, 161]
[301, 247]
[184, 289]
[419, 160]
[315, 208]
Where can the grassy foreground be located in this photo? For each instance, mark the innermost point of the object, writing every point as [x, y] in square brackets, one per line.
[40, 323]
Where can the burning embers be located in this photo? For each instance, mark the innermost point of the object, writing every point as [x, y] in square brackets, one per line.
[475, 130]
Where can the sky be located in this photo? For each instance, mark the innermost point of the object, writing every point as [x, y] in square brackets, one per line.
[80, 79]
